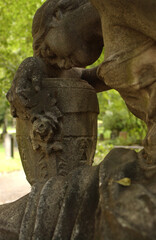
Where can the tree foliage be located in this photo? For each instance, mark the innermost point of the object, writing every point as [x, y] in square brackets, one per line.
[15, 37]
[116, 116]
[15, 42]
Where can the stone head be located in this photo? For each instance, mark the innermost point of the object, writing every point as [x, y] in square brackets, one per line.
[67, 33]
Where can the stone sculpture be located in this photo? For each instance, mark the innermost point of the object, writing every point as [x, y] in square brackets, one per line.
[129, 65]
[56, 124]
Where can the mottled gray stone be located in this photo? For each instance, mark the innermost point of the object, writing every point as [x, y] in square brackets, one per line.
[125, 212]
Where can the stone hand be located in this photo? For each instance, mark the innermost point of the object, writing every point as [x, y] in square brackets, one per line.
[91, 76]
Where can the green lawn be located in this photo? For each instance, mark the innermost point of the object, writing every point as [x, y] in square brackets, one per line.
[9, 164]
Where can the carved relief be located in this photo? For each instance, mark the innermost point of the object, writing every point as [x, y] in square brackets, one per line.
[85, 150]
[59, 133]
[44, 128]
[23, 153]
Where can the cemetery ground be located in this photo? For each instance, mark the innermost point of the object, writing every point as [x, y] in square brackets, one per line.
[13, 185]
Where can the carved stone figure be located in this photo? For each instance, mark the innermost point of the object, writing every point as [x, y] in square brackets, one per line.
[70, 199]
[129, 66]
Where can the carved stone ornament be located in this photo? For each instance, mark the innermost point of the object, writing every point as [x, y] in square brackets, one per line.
[61, 132]
[56, 111]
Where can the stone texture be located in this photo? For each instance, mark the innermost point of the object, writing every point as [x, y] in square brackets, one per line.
[56, 124]
[125, 212]
[129, 62]
[58, 133]
[11, 217]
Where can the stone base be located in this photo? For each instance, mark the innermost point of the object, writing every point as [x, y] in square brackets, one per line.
[114, 201]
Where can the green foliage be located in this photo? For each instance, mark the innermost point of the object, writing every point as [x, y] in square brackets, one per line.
[15, 37]
[116, 116]
[9, 164]
[3, 110]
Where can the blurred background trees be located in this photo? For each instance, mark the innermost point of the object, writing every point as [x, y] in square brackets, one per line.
[116, 118]
[15, 44]
[15, 37]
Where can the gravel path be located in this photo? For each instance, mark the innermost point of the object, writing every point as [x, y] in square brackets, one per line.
[13, 186]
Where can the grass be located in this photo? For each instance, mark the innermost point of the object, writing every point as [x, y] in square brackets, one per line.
[9, 164]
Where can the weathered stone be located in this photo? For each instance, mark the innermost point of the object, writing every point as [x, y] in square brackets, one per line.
[59, 133]
[10, 219]
[125, 212]
[56, 124]
[129, 62]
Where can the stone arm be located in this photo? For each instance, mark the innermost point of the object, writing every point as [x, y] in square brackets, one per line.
[90, 75]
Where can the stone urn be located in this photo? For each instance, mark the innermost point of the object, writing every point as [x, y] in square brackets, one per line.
[59, 131]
